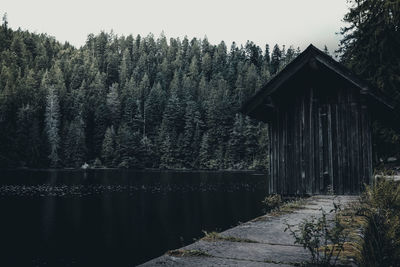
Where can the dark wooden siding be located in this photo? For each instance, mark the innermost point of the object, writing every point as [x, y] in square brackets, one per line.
[320, 140]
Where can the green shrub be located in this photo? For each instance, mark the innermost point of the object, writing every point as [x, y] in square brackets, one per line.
[272, 202]
[323, 238]
[380, 204]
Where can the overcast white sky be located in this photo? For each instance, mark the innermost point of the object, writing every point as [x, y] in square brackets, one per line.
[289, 22]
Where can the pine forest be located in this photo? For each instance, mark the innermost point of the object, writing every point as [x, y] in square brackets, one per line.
[131, 102]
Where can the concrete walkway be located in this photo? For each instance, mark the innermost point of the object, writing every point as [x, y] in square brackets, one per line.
[260, 242]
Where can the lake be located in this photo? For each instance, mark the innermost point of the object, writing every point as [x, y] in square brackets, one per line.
[117, 217]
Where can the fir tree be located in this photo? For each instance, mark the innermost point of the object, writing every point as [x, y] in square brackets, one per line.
[129, 148]
[52, 125]
[109, 147]
[74, 147]
[276, 57]
[28, 137]
[114, 104]
[204, 153]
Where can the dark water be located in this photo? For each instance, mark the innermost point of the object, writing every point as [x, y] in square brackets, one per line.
[116, 218]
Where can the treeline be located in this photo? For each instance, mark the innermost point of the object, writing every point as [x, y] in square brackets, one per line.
[131, 102]
[370, 47]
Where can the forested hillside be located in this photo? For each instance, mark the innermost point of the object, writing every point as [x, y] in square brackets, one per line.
[371, 48]
[131, 102]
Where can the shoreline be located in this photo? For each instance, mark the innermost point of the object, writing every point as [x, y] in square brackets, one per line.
[259, 172]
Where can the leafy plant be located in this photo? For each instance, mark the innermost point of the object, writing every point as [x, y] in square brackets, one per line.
[322, 237]
[380, 205]
[272, 202]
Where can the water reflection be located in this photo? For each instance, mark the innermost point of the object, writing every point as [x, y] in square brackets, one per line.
[116, 218]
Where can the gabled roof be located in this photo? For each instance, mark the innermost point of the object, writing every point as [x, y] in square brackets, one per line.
[260, 102]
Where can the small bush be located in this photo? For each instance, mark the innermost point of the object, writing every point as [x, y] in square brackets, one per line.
[272, 202]
[323, 238]
[380, 204]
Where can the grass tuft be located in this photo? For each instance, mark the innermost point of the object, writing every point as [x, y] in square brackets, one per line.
[214, 236]
[187, 253]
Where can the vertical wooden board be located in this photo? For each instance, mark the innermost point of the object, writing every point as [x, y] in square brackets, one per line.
[291, 153]
[286, 150]
[330, 145]
[270, 162]
[297, 172]
[280, 153]
[298, 148]
[369, 145]
[334, 148]
[273, 155]
[275, 160]
[325, 149]
[294, 150]
[343, 152]
[312, 149]
[348, 149]
[353, 148]
[320, 149]
[339, 150]
[316, 146]
[362, 146]
[357, 159]
[269, 178]
[350, 131]
[325, 137]
[285, 154]
[339, 134]
[304, 148]
[343, 160]
[289, 161]
[308, 181]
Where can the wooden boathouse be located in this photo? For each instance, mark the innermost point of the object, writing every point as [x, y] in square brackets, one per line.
[319, 117]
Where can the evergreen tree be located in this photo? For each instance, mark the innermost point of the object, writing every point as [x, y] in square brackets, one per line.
[276, 57]
[52, 125]
[251, 143]
[74, 143]
[109, 147]
[171, 127]
[154, 108]
[236, 145]
[28, 137]
[114, 104]
[370, 44]
[267, 56]
[191, 141]
[125, 68]
[129, 148]
[204, 153]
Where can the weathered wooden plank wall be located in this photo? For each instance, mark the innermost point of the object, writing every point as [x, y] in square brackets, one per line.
[320, 140]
